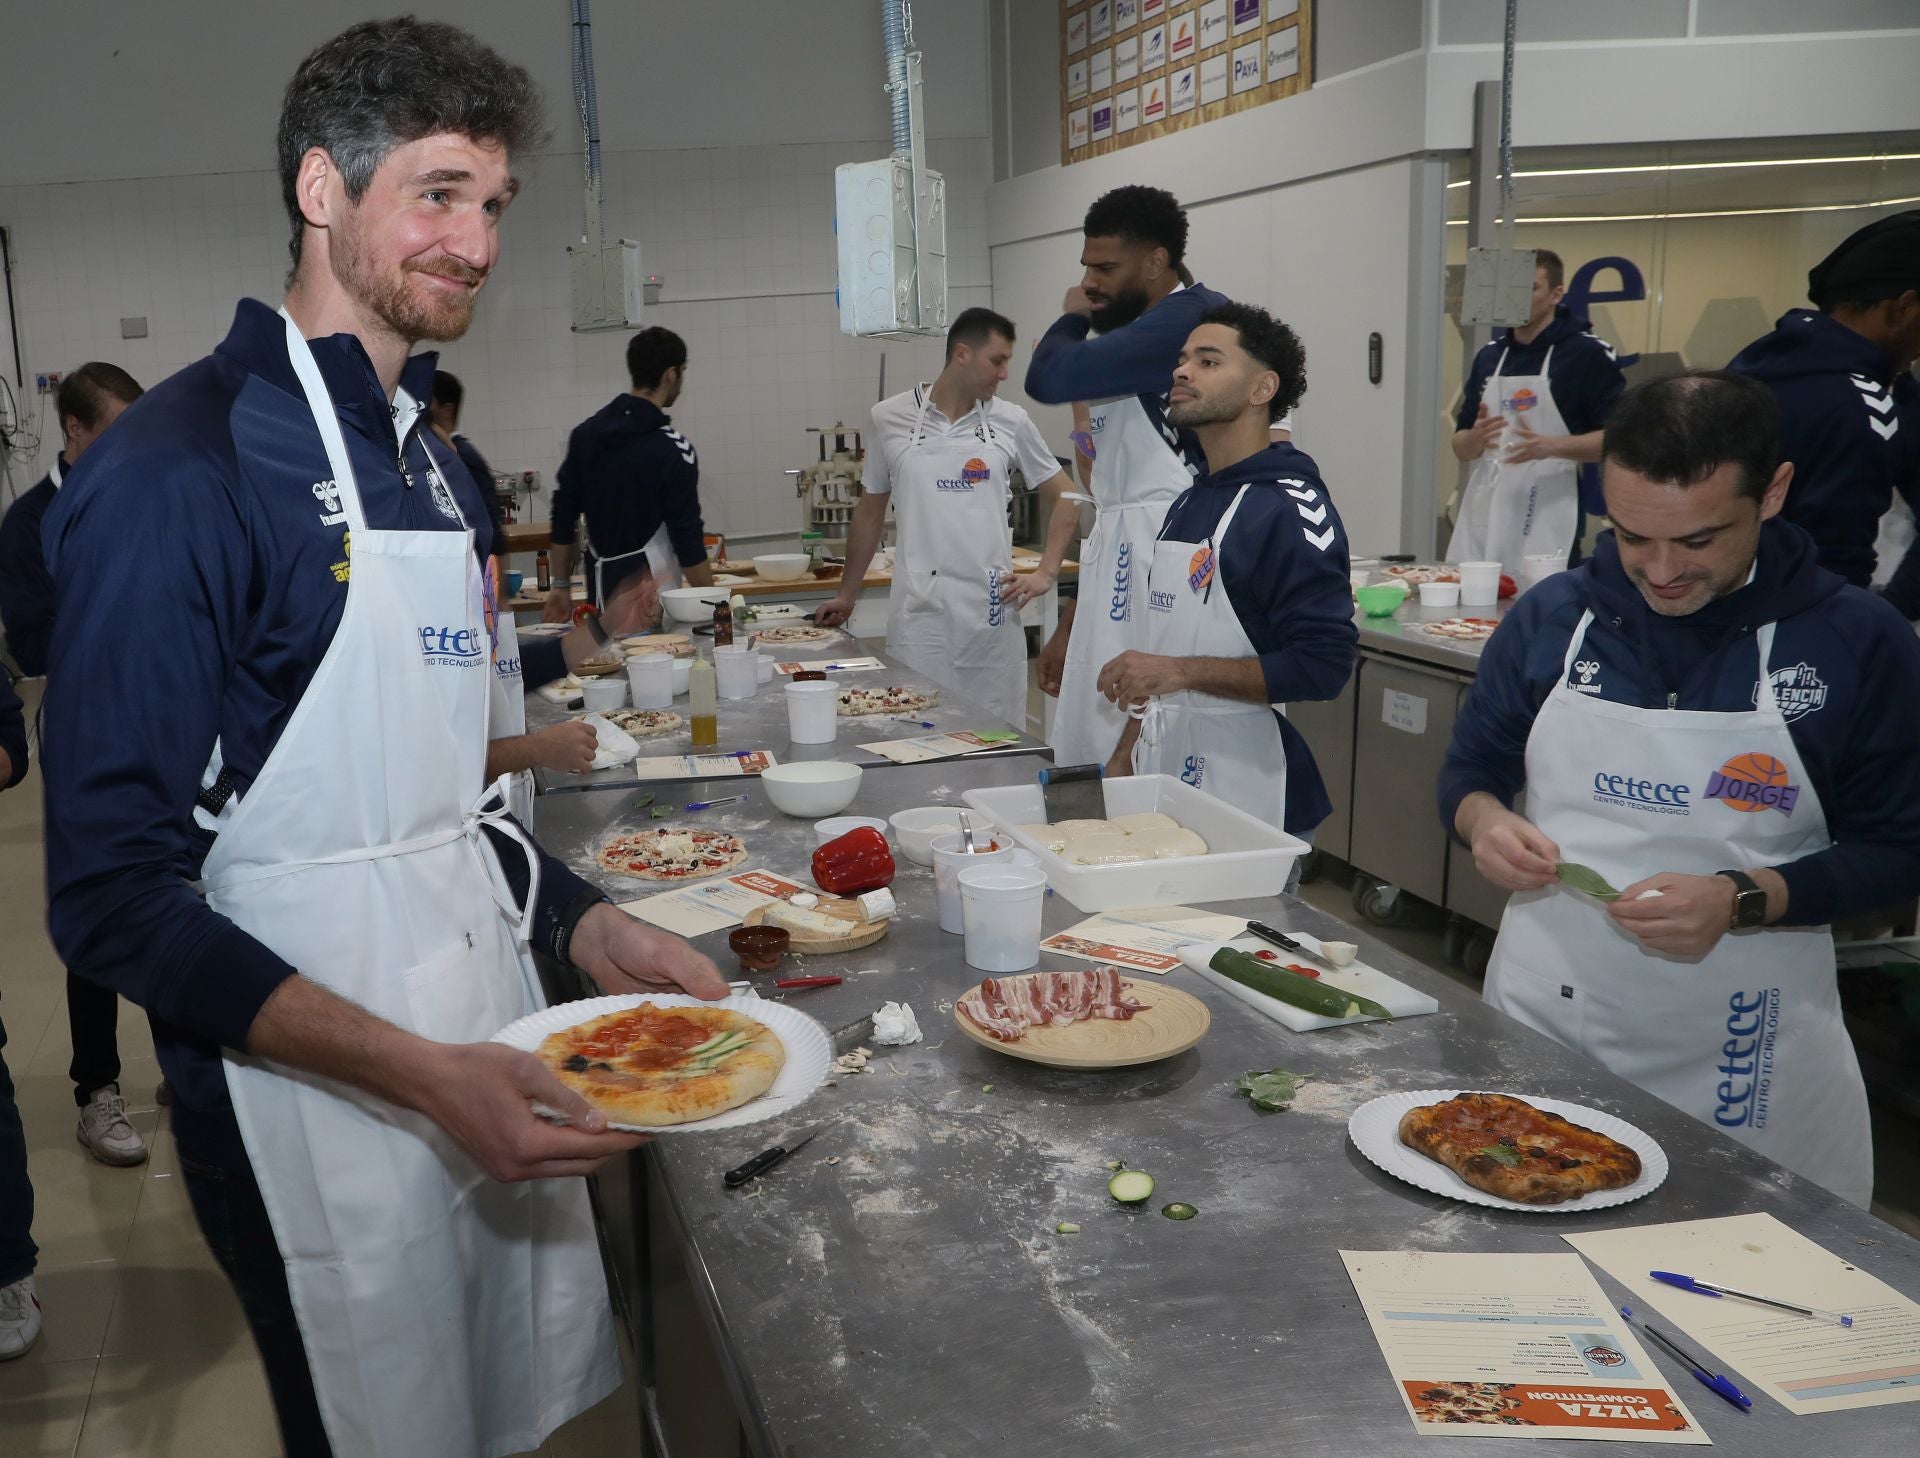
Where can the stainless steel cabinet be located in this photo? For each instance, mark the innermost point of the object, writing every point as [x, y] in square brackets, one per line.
[1404, 724]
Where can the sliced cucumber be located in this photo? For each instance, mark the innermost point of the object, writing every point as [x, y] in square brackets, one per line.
[1179, 1210]
[1066, 1227]
[1131, 1186]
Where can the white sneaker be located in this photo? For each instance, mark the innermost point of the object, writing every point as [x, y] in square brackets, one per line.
[19, 1319]
[105, 1132]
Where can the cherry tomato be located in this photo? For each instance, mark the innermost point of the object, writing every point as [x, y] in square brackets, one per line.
[1265, 956]
[1303, 971]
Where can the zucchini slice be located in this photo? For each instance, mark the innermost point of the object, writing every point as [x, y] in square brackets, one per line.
[1179, 1210]
[1131, 1187]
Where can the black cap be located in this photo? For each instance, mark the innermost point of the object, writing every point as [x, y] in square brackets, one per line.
[1880, 261]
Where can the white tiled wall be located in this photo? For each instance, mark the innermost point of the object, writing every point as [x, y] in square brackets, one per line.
[743, 236]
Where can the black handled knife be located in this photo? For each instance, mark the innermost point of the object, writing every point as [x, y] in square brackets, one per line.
[765, 1160]
[1284, 942]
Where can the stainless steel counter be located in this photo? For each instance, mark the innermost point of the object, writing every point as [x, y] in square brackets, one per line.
[1395, 635]
[761, 723]
[912, 1296]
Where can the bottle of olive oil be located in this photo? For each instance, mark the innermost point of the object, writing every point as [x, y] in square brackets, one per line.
[703, 698]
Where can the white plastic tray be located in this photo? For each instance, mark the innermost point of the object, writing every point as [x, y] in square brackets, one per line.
[1246, 857]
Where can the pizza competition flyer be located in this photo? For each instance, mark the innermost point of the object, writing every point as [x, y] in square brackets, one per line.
[1521, 1346]
[941, 746]
[1806, 1364]
[711, 906]
[702, 766]
[1146, 940]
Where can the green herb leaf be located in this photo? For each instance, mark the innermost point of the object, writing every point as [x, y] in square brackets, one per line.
[1586, 879]
[1273, 1090]
[660, 812]
[1505, 1153]
[641, 800]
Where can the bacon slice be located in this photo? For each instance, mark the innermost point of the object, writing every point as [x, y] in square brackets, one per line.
[1006, 1007]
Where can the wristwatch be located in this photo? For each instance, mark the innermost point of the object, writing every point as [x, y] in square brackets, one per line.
[1749, 901]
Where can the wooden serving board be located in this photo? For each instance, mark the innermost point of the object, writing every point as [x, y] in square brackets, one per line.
[1173, 1022]
[860, 933]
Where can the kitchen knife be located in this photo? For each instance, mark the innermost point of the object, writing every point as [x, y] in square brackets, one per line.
[1286, 943]
[765, 1160]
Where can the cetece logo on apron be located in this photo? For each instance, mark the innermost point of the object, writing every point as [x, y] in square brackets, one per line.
[1753, 1026]
[1195, 770]
[974, 473]
[1122, 607]
[1655, 797]
[452, 647]
[1751, 783]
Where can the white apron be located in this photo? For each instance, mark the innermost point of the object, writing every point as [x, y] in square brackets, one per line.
[443, 1313]
[663, 562]
[1231, 750]
[1748, 1038]
[507, 702]
[1137, 474]
[1513, 510]
[952, 561]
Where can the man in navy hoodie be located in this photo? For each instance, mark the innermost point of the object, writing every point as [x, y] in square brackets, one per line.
[1849, 408]
[1730, 735]
[1138, 303]
[1248, 600]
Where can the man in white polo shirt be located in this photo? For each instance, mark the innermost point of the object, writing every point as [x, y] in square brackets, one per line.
[944, 454]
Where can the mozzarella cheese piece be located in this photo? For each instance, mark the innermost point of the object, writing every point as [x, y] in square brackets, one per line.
[1340, 954]
[806, 923]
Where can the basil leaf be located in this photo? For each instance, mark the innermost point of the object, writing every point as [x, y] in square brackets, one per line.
[1505, 1153]
[1586, 879]
[1273, 1090]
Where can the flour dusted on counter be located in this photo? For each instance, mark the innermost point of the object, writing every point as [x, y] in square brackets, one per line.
[895, 1026]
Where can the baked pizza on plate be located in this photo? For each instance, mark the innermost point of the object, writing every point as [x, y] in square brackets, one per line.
[886, 701]
[1533, 1154]
[644, 723]
[795, 633]
[1461, 630]
[672, 855]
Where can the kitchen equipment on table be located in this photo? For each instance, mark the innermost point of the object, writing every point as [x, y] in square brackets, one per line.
[813, 712]
[515, 581]
[914, 830]
[703, 704]
[1172, 1023]
[601, 694]
[1439, 594]
[1356, 978]
[1000, 915]
[812, 788]
[650, 679]
[807, 942]
[838, 825]
[1479, 584]
[682, 675]
[763, 668]
[759, 948]
[1072, 791]
[1537, 569]
[1375, 1130]
[765, 1160]
[1246, 857]
[782, 566]
[967, 842]
[950, 858]
[1382, 599]
[692, 604]
[1290, 945]
[735, 673]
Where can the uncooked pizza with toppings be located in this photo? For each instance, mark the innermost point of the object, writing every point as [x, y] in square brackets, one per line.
[1414, 576]
[1461, 630]
[672, 855]
[886, 701]
[644, 723]
[795, 633]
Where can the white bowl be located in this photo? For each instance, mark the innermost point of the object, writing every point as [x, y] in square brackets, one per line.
[836, 826]
[914, 830]
[682, 676]
[692, 604]
[812, 788]
[782, 566]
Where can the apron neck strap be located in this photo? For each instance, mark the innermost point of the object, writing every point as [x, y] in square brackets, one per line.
[327, 420]
[1573, 645]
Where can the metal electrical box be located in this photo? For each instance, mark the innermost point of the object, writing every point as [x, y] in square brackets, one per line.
[609, 285]
[891, 281]
[1499, 286]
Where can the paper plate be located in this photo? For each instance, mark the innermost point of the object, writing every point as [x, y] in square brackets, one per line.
[1375, 1127]
[809, 1051]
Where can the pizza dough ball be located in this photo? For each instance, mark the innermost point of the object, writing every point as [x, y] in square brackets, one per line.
[1103, 848]
[1047, 836]
[1172, 844]
[1145, 821]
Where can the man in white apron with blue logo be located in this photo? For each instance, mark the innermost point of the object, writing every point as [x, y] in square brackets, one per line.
[424, 1229]
[1687, 984]
[1248, 598]
[944, 454]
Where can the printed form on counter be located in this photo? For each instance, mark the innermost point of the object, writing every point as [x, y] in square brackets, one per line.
[692, 911]
[941, 746]
[830, 665]
[702, 766]
[1516, 1346]
[1805, 1364]
[1144, 940]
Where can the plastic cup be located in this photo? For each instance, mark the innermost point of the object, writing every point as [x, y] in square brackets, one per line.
[1535, 570]
[1439, 594]
[1360, 577]
[1000, 913]
[763, 668]
[602, 694]
[813, 711]
[650, 677]
[950, 859]
[1479, 584]
[682, 676]
[733, 671]
[835, 826]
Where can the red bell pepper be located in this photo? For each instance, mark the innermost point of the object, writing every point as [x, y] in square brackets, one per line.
[853, 863]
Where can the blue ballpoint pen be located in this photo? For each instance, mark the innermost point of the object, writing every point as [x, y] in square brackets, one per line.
[709, 804]
[1711, 1288]
[1702, 1374]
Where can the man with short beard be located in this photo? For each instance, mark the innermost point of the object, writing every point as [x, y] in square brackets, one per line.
[266, 816]
[1139, 305]
[1727, 736]
[1248, 600]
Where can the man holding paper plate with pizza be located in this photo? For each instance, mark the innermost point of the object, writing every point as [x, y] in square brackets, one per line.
[1705, 719]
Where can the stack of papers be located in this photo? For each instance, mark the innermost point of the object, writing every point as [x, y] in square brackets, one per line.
[941, 746]
[693, 911]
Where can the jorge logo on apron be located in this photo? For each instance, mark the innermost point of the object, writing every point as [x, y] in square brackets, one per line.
[1754, 782]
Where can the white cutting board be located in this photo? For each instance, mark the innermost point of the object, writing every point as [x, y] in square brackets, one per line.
[1357, 978]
